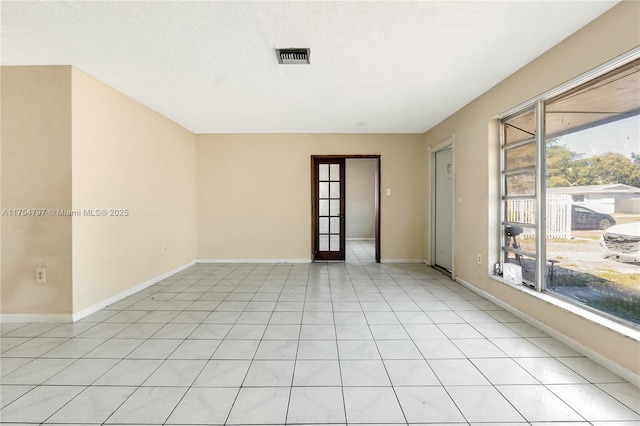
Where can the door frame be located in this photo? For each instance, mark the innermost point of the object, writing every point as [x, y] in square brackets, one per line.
[314, 195]
[449, 143]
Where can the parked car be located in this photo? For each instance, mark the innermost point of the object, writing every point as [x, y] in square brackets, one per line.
[622, 242]
[586, 219]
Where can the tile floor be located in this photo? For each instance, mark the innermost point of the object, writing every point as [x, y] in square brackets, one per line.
[351, 343]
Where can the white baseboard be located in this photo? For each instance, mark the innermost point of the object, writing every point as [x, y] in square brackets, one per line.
[621, 371]
[253, 261]
[113, 299]
[51, 318]
[360, 239]
[401, 261]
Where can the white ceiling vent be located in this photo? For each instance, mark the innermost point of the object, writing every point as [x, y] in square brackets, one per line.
[293, 56]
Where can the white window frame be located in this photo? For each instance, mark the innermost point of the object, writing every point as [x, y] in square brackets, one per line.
[537, 104]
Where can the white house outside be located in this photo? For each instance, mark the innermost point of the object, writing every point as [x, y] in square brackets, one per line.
[611, 198]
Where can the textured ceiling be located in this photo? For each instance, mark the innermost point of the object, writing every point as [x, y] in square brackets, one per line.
[399, 67]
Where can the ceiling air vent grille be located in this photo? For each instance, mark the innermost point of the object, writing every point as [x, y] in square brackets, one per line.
[293, 56]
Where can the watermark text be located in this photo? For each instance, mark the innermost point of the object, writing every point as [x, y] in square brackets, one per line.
[24, 212]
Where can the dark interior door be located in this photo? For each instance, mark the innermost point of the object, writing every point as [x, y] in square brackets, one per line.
[329, 217]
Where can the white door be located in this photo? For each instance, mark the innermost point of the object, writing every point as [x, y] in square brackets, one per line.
[443, 209]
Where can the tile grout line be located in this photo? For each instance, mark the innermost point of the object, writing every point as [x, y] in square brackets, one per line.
[241, 386]
[203, 366]
[295, 359]
[335, 330]
[152, 373]
[402, 410]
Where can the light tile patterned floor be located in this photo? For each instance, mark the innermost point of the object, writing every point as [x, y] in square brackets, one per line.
[329, 343]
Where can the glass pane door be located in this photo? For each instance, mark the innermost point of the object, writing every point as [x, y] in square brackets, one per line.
[329, 209]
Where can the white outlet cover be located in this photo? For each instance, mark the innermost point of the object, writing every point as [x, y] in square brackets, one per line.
[388, 191]
[41, 275]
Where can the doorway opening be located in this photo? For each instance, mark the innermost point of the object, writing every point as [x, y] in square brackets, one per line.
[345, 207]
[442, 207]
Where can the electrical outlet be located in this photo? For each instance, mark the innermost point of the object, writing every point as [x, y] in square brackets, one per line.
[479, 259]
[165, 249]
[41, 275]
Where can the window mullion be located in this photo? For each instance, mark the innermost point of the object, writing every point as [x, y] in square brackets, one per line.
[520, 224]
[518, 171]
[541, 198]
[520, 143]
[518, 197]
[503, 191]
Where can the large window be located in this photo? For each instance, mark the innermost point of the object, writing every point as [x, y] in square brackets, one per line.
[571, 193]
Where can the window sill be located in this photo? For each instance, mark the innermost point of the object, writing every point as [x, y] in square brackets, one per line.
[615, 326]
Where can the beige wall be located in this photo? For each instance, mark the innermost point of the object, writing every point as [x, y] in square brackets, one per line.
[70, 142]
[476, 163]
[254, 193]
[36, 174]
[360, 197]
[126, 156]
